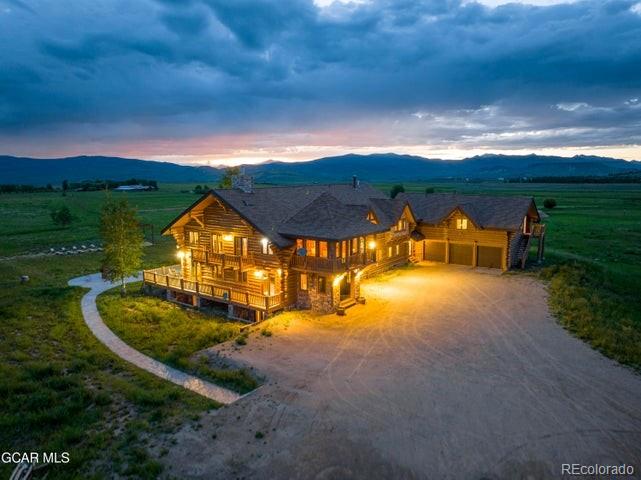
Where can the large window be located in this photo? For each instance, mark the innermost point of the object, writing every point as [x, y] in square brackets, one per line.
[216, 243]
[303, 281]
[322, 249]
[241, 246]
[310, 245]
[461, 223]
[194, 237]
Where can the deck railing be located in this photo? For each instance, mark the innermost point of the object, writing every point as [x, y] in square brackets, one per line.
[169, 277]
[329, 265]
[224, 260]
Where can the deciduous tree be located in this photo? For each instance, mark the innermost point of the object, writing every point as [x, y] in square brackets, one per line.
[122, 238]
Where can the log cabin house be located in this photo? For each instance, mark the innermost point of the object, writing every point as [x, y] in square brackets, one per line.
[257, 251]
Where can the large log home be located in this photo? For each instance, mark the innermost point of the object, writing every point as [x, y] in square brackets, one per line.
[257, 251]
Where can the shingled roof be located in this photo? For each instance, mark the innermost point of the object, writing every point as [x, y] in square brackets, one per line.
[328, 219]
[270, 208]
[503, 213]
[387, 210]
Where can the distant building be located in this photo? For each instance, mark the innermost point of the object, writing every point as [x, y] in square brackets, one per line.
[130, 188]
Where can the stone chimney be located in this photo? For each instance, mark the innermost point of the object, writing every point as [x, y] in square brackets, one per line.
[243, 182]
[355, 182]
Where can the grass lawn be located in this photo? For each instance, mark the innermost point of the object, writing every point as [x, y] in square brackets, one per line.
[172, 334]
[61, 390]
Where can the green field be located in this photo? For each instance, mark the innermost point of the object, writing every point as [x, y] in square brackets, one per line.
[61, 390]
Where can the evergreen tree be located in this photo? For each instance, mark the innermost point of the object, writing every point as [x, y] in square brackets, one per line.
[396, 189]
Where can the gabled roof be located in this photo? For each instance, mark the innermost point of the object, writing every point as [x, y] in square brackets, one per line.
[387, 210]
[266, 209]
[502, 213]
[326, 218]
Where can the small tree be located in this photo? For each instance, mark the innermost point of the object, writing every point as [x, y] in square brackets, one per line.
[396, 189]
[225, 180]
[122, 238]
[198, 189]
[62, 216]
[429, 190]
[549, 203]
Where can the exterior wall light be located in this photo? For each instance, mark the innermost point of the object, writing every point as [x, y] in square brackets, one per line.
[180, 254]
[259, 274]
[337, 280]
[228, 237]
[371, 245]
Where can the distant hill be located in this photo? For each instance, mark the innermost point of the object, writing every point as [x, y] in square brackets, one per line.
[42, 171]
[392, 167]
[384, 167]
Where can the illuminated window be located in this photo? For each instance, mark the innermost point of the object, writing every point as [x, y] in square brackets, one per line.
[389, 251]
[299, 243]
[354, 245]
[322, 285]
[371, 217]
[310, 245]
[241, 246]
[461, 223]
[216, 243]
[398, 249]
[193, 238]
[338, 249]
[265, 247]
[303, 281]
[322, 249]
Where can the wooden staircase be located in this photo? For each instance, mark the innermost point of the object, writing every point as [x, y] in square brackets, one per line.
[523, 249]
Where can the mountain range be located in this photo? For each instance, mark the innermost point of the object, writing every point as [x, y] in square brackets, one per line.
[383, 167]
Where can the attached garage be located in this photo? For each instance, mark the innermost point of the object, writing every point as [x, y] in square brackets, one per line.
[490, 257]
[434, 251]
[461, 253]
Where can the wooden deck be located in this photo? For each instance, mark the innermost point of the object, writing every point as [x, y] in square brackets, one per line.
[170, 278]
[329, 265]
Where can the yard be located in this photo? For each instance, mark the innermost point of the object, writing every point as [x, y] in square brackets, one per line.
[444, 373]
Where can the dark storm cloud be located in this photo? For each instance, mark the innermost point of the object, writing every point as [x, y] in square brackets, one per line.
[218, 66]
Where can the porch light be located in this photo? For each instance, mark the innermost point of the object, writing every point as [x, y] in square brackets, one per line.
[259, 274]
[180, 254]
[228, 238]
[337, 280]
[371, 245]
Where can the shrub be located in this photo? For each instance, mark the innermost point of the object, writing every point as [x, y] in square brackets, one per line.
[241, 339]
[62, 216]
[259, 435]
[265, 332]
[549, 203]
[429, 190]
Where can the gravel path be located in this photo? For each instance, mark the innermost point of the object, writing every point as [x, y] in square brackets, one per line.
[93, 320]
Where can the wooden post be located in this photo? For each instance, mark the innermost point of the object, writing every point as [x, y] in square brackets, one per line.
[475, 254]
[447, 251]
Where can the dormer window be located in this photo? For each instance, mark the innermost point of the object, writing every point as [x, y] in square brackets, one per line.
[371, 217]
[461, 223]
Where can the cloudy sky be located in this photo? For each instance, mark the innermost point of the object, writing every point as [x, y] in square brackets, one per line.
[233, 81]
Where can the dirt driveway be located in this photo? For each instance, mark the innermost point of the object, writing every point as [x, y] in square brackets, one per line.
[445, 373]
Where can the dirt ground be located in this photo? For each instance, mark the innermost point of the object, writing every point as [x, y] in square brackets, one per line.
[445, 373]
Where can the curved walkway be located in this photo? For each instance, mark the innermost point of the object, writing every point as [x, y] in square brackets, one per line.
[93, 320]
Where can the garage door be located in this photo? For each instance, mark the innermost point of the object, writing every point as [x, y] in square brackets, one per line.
[460, 254]
[435, 251]
[490, 257]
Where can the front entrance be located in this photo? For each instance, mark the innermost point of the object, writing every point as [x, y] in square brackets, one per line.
[346, 287]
